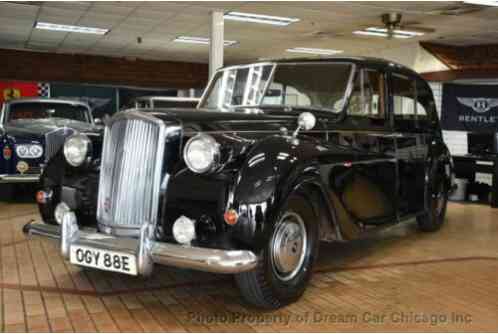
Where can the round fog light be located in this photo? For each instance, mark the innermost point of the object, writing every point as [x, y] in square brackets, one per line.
[184, 230]
[60, 211]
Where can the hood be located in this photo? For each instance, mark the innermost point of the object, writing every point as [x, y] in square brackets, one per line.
[195, 120]
[35, 129]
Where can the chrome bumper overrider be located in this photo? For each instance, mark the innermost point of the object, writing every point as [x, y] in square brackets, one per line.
[19, 178]
[147, 250]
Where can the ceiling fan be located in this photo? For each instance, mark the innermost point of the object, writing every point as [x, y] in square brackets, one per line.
[393, 27]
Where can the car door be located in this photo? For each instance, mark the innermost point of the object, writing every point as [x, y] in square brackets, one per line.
[364, 186]
[411, 143]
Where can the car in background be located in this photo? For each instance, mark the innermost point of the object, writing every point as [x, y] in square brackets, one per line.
[151, 102]
[32, 130]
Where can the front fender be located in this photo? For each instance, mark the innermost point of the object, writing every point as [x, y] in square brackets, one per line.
[273, 169]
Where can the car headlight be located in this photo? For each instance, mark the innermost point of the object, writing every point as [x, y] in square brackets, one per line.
[202, 154]
[29, 151]
[76, 149]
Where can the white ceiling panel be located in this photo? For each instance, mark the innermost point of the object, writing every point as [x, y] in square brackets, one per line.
[105, 7]
[20, 11]
[70, 5]
[99, 20]
[47, 36]
[321, 25]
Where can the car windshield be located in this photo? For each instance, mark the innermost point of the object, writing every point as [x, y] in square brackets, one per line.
[45, 110]
[319, 86]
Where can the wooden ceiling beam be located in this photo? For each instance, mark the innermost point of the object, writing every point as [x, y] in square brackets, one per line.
[52, 67]
[475, 57]
[451, 75]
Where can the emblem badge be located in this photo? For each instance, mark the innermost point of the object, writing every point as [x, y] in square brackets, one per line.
[478, 104]
[22, 167]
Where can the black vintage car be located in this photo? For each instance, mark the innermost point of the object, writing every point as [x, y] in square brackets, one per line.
[32, 130]
[278, 157]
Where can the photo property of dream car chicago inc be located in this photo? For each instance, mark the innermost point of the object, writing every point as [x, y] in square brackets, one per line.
[248, 166]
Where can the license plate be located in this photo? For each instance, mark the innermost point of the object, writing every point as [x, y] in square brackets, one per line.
[103, 259]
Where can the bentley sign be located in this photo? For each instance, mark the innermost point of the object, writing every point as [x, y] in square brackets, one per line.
[470, 107]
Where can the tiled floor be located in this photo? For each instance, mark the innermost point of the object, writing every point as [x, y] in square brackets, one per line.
[400, 280]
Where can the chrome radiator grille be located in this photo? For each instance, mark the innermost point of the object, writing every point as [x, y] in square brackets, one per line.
[130, 175]
[54, 141]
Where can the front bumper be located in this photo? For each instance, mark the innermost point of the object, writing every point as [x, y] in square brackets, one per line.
[147, 250]
[19, 178]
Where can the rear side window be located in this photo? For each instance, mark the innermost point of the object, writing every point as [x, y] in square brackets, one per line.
[426, 108]
[404, 97]
[413, 103]
[368, 97]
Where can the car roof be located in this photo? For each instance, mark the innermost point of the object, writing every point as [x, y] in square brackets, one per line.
[364, 61]
[46, 100]
[168, 98]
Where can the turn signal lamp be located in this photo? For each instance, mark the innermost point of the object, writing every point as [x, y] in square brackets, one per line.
[7, 153]
[231, 217]
[41, 197]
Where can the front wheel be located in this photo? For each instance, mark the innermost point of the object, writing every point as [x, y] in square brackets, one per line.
[285, 265]
[437, 197]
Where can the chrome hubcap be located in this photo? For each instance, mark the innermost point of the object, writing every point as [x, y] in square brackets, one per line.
[289, 244]
[439, 200]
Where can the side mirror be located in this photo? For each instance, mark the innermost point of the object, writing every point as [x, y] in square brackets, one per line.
[98, 121]
[306, 121]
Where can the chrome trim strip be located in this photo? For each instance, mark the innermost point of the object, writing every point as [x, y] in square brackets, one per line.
[147, 250]
[19, 178]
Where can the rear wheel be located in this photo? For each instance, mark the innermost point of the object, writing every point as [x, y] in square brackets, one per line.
[285, 265]
[437, 197]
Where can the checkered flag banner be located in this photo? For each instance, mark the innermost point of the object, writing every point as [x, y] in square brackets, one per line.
[43, 89]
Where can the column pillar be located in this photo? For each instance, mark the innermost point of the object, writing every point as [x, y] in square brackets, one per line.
[216, 45]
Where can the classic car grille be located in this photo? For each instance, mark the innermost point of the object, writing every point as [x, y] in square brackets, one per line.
[130, 175]
[54, 141]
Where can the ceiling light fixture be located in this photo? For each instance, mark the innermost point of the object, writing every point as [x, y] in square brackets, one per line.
[70, 28]
[199, 40]
[482, 2]
[322, 52]
[258, 18]
[383, 32]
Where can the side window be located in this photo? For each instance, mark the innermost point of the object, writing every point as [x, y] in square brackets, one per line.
[426, 108]
[374, 93]
[367, 97]
[404, 97]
